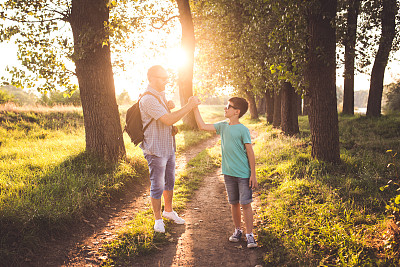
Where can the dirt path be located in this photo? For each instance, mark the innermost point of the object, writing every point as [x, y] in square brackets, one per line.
[202, 241]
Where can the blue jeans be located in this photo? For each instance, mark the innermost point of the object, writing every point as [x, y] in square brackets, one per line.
[162, 174]
[238, 190]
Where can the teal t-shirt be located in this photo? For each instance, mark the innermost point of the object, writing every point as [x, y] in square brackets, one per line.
[234, 157]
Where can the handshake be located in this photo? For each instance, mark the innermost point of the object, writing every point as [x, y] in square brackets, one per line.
[194, 101]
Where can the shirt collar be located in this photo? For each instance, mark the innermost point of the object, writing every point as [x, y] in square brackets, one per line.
[154, 91]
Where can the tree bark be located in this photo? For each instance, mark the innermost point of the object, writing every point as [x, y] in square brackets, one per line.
[389, 12]
[289, 119]
[349, 56]
[96, 82]
[269, 106]
[277, 110]
[306, 105]
[185, 81]
[252, 105]
[299, 104]
[321, 78]
[261, 107]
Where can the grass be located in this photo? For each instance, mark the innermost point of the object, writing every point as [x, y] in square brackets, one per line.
[312, 213]
[48, 182]
[319, 214]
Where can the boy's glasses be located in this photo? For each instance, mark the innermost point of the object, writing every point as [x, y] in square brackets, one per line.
[230, 106]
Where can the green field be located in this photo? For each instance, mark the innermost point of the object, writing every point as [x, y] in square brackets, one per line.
[47, 181]
[312, 213]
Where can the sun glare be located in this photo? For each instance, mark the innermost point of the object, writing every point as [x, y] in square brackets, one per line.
[177, 58]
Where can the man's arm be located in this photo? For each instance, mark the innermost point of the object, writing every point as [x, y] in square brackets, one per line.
[200, 122]
[252, 162]
[171, 118]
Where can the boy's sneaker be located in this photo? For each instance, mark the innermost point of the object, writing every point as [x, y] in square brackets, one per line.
[236, 236]
[251, 242]
[159, 226]
[173, 216]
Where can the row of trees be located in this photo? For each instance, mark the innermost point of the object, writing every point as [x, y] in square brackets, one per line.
[280, 49]
[286, 49]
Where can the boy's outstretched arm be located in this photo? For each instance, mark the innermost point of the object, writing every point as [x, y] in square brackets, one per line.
[200, 123]
[252, 162]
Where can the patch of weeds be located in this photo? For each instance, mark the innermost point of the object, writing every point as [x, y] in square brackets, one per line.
[322, 214]
[137, 238]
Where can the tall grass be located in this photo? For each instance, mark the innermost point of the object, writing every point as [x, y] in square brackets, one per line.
[47, 181]
[319, 214]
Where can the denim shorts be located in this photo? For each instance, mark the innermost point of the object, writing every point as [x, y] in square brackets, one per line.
[162, 174]
[238, 190]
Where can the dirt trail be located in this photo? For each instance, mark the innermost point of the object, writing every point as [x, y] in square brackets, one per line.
[202, 241]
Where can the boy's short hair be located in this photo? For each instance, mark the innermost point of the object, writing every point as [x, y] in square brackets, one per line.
[240, 103]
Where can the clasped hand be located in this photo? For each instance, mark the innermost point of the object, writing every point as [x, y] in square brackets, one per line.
[194, 101]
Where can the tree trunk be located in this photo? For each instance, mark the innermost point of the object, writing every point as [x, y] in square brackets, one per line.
[299, 104]
[389, 12]
[349, 56]
[306, 105]
[96, 82]
[321, 78]
[289, 120]
[261, 104]
[252, 105]
[269, 107]
[277, 110]
[185, 81]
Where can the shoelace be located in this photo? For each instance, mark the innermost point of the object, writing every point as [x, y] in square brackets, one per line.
[250, 239]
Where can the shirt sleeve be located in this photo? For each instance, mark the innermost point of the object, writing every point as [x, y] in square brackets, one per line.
[246, 136]
[218, 126]
[152, 107]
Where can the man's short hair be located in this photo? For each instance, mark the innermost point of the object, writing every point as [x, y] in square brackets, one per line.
[153, 70]
[240, 103]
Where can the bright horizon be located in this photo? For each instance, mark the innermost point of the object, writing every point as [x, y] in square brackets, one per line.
[134, 79]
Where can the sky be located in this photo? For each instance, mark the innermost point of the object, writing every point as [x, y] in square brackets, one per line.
[134, 80]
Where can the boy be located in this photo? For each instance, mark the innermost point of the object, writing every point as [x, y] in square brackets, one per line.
[238, 165]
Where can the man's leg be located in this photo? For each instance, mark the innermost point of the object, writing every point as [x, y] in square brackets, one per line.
[168, 192]
[156, 205]
[157, 167]
[168, 195]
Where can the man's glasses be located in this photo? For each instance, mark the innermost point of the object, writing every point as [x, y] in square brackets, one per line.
[230, 106]
[163, 78]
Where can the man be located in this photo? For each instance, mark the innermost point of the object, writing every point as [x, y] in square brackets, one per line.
[159, 144]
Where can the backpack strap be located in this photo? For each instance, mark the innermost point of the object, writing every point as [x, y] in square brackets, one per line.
[161, 102]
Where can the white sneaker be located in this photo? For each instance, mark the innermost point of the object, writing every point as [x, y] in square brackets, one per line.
[159, 226]
[251, 242]
[173, 216]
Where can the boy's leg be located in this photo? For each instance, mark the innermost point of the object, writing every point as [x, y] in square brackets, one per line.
[232, 189]
[248, 217]
[236, 215]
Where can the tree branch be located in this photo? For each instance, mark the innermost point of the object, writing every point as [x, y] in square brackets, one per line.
[164, 22]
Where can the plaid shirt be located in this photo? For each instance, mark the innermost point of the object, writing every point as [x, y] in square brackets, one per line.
[158, 139]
